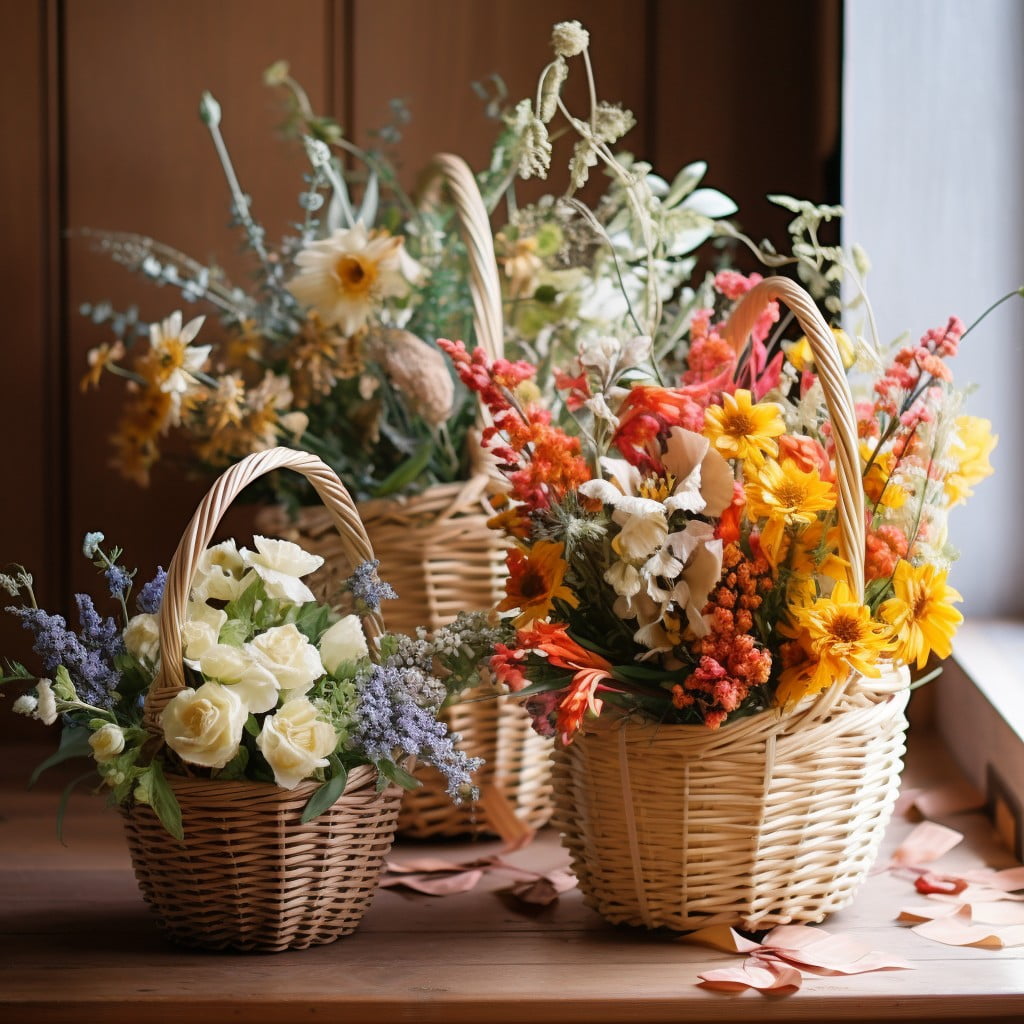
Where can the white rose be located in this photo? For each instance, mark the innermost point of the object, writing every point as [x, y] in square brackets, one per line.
[142, 637]
[204, 726]
[344, 641]
[286, 652]
[295, 743]
[200, 630]
[220, 574]
[240, 669]
[46, 709]
[107, 742]
[280, 563]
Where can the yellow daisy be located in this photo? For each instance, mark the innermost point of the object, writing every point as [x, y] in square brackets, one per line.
[800, 356]
[739, 429]
[971, 448]
[838, 634]
[921, 613]
[785, 495]
[878, 484]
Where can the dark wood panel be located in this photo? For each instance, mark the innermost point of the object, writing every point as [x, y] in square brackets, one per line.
[30, 505]
[753, 89]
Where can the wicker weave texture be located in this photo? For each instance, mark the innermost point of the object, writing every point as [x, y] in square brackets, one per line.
[438, 552]
[248, 874]
[768, 820]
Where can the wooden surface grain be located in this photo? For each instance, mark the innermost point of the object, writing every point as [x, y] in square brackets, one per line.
[78, 944]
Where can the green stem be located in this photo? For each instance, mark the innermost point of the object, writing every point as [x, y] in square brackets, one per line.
[995, 305]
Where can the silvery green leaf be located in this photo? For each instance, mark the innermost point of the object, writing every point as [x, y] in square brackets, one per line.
[685, 182]
[659, 186]
[687, 239]
[711, 203]
[368, 210]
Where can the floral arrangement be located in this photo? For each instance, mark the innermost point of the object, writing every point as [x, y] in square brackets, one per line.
[330, 349]
[673, 508]
[282, 688]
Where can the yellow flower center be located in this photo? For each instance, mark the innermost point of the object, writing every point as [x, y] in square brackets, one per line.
[846, 629]
[738, 424]
[792, 493]
[172, 354]
[356, 276]
[657, 488]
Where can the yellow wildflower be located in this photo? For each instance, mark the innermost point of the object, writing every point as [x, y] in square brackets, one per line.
[800, 356]
[739, 429]
[972, 445]
[921, 613]
[878, 483]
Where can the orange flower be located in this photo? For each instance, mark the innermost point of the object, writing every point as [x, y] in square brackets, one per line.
[589, 669]
[535, 580]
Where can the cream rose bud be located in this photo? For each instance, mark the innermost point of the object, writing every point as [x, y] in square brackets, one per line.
[142, 637]
[200, 630]
[280, 563]
[106, 742]
[204, 726]
[344, 641]
[46, 706]
[241, 669]
[286, 652]
[295, 743]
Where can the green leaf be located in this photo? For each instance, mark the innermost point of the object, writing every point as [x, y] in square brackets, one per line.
[164, 802]
[235, 768]
[406, 472]
[325, 796]
[252, 726]
[74, 742]
[312, 620]
[235, 632]
[396, 773]
[65, 796]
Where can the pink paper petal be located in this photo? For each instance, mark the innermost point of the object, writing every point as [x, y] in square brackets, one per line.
[1009, 880]
[435, 884]
[929, 911]
[927, 842]
[721, 937]
[544, 890]
[794, 936]
[952, 799]
[955, 931]
[840, 954]
[1001, 912]
[764, 975]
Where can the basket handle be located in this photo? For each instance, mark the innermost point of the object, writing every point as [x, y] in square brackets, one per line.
[170, 678]
[485, 285]
[838, 401]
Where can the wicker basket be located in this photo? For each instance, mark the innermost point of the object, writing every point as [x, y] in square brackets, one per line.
[438, 552]
[249, 875]
[771, 819]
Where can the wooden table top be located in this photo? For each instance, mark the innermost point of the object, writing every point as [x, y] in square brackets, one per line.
[78, 944]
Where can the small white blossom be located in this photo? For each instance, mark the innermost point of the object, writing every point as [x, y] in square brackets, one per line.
[569, 38]
[46, 708]
[26, 704]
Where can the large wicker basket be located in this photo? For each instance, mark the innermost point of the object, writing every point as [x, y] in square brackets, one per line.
[771, 819]
[249, 875]
[442, 558]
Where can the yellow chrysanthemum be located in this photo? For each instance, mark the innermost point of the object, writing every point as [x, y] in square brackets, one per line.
[785, 495]
[839, 635]
[878, 484]
[800, 356]
[921, 613]
[740, 429]
[972, 445]
[534, 581]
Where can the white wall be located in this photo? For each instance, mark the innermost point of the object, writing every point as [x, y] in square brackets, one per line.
[933, 186]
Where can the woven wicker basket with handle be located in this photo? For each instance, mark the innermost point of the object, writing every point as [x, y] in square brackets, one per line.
[770, 819]
[442, 558]
[249, 875]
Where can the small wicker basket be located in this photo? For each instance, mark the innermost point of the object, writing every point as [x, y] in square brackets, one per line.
[771, 819]
[437, 550]
[249, 874]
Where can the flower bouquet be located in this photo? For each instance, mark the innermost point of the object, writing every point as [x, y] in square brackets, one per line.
[256, 741]
[722, 566]
[332, 350]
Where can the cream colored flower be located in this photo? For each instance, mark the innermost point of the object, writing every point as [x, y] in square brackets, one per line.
[171, 346]
[568, 38]
[204, 726]
[26, 704]
[220, 574]
[293, 660]
[240, 669]
[295, 743]
[344, 641]
[346, 275]
[201, 630]
[106, 742]
[280, 563]
[46, 707]
[142, 637]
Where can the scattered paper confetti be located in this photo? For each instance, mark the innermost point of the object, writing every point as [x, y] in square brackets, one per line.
[926, 843]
